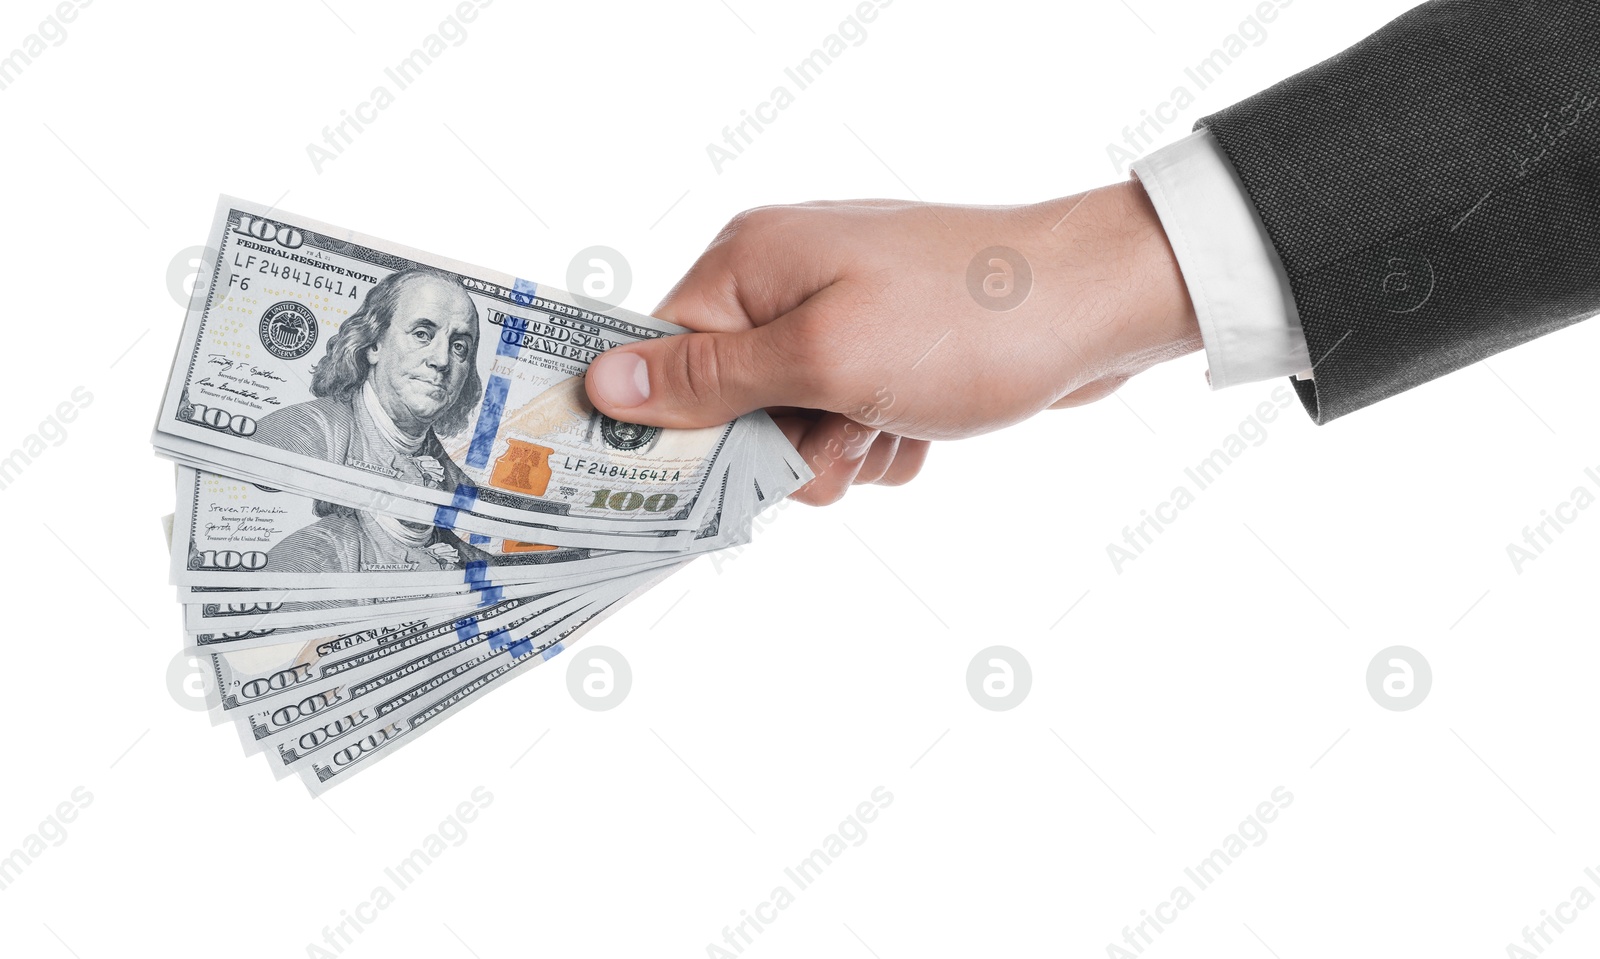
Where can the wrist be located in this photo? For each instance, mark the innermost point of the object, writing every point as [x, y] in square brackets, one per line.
[1130, 305]
[1158, 320]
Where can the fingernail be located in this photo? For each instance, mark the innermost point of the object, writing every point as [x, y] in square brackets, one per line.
[621, 379]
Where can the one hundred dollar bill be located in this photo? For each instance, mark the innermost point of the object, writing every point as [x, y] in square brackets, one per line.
[307, 607]
[352, 705]
[317, 356]
[231, 533]
[403, 719]
[329, 695]
[235, 638]
[239, 536]
[250, 613]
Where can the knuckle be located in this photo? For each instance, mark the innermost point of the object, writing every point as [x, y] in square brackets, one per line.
[754, 221]
[699, 370]
[753, 241]
[908, 462]
[820, 492]
[833, 493]
[858, 439]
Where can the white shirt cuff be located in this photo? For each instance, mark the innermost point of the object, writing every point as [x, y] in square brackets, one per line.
[1235, 277]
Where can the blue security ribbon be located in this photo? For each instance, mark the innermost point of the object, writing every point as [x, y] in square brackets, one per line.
[494, 394]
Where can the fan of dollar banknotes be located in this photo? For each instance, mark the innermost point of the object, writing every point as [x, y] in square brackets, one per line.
[393, 494]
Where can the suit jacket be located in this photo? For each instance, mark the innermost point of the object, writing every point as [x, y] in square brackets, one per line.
[1434, 191]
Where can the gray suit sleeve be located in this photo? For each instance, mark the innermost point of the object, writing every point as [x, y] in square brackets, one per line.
[1434, 191]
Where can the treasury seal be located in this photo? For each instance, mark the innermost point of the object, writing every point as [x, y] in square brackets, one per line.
[625, 436]
[288, 330]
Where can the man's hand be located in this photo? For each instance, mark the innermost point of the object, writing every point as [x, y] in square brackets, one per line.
[856, 324]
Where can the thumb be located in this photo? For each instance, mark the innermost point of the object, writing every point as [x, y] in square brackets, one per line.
[692, 379]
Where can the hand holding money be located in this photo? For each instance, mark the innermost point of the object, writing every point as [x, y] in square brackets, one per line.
[876, 317]
[394, 493]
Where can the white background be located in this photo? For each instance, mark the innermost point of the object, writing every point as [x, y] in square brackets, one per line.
[773, 692]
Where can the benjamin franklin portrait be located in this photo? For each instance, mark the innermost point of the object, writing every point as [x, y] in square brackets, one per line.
[401, 372]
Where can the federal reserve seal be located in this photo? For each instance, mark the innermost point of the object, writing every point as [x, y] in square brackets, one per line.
[288, 330]
[625, 436]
